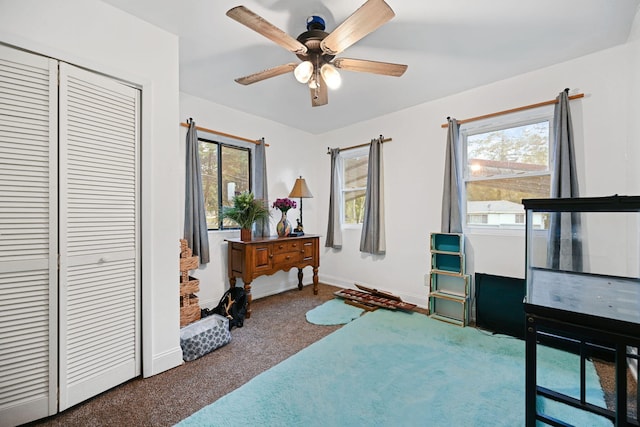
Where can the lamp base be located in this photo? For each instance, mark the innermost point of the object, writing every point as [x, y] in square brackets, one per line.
[296, 234]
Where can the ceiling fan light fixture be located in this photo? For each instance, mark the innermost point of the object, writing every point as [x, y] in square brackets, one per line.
[331, 76]
[317, 49]
[303, 71]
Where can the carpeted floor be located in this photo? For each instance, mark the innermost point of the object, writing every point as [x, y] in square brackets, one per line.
[276, 330]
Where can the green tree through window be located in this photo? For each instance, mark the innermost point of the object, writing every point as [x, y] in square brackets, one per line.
[226, 171]
[502, 166]
[355, 167]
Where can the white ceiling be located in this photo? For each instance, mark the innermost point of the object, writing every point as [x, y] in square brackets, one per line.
[450, 46]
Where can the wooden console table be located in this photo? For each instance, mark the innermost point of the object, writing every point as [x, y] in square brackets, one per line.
[265, 256]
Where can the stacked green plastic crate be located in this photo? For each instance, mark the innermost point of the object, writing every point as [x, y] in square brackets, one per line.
[448, 284]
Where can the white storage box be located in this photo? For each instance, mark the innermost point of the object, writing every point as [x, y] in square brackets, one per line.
[204, 336]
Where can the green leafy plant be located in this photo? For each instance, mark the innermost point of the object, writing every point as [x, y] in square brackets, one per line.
[246, 210]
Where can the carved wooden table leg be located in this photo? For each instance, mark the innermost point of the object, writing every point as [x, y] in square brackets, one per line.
[300, 278]
[247, 290]
[315, 280]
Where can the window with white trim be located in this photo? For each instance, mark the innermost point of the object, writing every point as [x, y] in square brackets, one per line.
[504, 161]
[355, 165]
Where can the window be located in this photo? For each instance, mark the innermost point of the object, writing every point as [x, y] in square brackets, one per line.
[504, 163]
[355, 167]
[226, 171]
[477, 218]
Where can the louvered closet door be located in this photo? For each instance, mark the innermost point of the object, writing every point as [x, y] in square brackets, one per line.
[28, 236]
[99, 249]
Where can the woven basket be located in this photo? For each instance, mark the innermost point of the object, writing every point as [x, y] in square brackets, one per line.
[184, 276]
[191, 286]
[190, 263]
[189, 314]
[188, 300]
[193, 300]
[189, 308]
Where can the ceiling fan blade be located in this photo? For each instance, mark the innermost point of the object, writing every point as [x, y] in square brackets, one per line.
[364, 66]
[270, 31]
[319, 96]
[369, 17]
[266, 74]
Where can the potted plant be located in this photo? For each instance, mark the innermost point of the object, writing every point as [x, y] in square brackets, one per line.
[245, 211]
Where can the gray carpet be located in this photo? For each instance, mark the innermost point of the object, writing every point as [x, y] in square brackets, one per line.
[276, 330]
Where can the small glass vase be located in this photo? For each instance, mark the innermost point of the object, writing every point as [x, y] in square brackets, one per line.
[284, 226]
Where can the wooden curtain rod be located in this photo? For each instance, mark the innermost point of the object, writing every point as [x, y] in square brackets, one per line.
[358, 146]
[228, 135]
[513, 110]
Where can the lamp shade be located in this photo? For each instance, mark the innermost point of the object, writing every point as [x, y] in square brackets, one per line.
[300, 189]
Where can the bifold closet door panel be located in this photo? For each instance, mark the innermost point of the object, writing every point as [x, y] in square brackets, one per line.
[28, 236]
[99, 234]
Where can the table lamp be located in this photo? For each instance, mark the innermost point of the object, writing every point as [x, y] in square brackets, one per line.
[301, 191]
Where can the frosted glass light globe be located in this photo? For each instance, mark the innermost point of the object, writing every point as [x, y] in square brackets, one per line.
[303, 71]
[331, 76]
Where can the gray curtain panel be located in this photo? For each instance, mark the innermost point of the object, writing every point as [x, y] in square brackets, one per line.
[565, 244]
[195, 219]
[372, 238]
[451, 195]
[261, 227]
[334, 228]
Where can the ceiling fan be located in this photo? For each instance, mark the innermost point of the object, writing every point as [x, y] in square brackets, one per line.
[317, 49]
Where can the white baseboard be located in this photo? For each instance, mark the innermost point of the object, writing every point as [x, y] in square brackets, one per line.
[163, 362]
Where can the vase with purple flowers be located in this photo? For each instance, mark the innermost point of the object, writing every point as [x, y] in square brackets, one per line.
[284, 226]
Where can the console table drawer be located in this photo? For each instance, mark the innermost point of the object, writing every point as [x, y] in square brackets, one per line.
[287, 258]
[308, 250]
[287, 246]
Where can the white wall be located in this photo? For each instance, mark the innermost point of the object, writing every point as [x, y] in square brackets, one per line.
[94, 35]
[414, 162]
[290, 153]
[91, 34]
[607, 156]
[633, 134]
